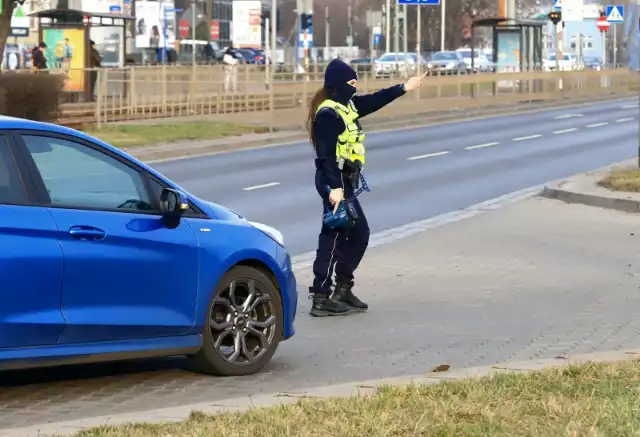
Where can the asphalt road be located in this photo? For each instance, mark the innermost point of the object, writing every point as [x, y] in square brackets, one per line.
[420, 172]
[414, 174]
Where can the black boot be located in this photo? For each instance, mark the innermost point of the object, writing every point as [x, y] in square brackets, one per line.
[325, 305]
[344, 293]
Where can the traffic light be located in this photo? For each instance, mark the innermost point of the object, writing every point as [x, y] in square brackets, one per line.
[306, 21]
[555, 17]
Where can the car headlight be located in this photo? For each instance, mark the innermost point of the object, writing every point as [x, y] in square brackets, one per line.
[271, 232]
[429, 65]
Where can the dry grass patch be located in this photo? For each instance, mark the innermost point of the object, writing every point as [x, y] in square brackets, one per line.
[588, 400]
[135, 135]
[622, 180]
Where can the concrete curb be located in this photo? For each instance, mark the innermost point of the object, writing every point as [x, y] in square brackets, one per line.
[584, 189]
[625, 205]
[362, 388]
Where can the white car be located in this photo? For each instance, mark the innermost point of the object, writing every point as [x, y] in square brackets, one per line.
[397, 64]
[568, 62]
[480, 61]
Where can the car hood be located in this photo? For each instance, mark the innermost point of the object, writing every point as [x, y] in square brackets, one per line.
[442, 61]
[223, 213]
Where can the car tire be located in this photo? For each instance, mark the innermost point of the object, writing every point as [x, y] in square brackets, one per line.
[209, 358]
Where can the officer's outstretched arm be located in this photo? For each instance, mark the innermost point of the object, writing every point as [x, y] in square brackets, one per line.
[370, 103]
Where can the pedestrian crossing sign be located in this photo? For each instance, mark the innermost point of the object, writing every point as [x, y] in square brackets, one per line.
[615, 14]
[557, 5]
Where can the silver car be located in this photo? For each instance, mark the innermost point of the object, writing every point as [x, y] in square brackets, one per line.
[445, 63]
[398, 64]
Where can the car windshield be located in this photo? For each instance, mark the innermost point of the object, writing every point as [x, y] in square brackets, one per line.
[391, 57]
[444, 56]
[591, 59]
[466, 53]
[552, 57]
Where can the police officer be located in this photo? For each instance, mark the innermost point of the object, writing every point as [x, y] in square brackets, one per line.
[337, 138]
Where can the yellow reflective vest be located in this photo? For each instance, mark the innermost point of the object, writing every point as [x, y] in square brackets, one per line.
[350, 142]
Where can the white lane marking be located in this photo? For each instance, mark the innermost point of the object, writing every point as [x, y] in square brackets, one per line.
[257, 187]
[481, 146]
[305, 260]
[530, 137]
[564, 131]
[633, 105]
[561, 117]
[621, 120]
[428, 155]
[597, 124]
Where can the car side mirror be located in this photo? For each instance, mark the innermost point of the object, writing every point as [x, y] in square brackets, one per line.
[173, 205]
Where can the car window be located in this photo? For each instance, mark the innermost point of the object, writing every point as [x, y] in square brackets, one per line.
[11, 189]
[79, 176]
[443, 56]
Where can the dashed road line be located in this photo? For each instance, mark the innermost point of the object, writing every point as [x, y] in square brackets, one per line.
[428, 155]
[481, 146]
[633, 105]
[622, 120]
[530, 137]
[257, 187]
[564, 131]
[597, 124]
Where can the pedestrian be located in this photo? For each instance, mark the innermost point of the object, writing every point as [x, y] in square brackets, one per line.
[337, 138]
[38, 59]
[95, 62]
[230, 69]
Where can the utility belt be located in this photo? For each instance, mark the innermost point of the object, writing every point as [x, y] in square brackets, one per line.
[352, 172]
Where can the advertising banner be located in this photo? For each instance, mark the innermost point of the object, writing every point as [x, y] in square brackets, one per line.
[65, 50]
[150, 24]
[247, 32]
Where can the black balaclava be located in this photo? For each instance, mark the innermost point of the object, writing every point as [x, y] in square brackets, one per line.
[335, 80]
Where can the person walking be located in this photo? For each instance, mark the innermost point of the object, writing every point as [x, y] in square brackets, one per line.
[230, 70]
[95, 62]
[337, 138]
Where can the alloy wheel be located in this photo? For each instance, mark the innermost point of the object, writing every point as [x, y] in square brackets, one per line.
[242, 322]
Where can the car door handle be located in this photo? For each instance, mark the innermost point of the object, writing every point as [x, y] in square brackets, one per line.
[87, 233]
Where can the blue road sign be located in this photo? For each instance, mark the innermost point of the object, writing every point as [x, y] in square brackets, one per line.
[114, 8]
[615, 14]
[557, 5]
[376, 39]
[419, 2]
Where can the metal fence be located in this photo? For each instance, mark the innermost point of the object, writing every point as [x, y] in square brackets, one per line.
[171, 91]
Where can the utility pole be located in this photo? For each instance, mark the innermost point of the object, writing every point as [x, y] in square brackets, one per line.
[274, 33]
[404, 29]
[350, 24]
[387, 22]
[193, 33]
[326, 34]
[443, 23]
[396, 28]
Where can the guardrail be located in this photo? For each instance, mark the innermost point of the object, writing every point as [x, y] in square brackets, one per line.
[169, 91]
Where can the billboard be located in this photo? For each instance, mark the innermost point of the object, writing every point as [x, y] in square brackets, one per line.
[150, 24]
[246, 30]
[66, 50]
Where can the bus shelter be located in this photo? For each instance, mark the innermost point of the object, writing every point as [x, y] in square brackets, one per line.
[66, 32]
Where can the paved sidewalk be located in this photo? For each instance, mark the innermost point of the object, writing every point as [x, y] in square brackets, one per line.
[537, 279]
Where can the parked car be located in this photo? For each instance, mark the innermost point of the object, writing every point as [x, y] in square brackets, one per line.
[568, 62]
[397, 64]
[361, 65]
[593, 63]
[105, 259]
[446, 63]
[252, 56]
[480, 61]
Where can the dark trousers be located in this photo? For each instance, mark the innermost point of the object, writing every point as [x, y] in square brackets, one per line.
[339, 249]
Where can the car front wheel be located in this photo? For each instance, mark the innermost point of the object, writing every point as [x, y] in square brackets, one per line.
[244, 324]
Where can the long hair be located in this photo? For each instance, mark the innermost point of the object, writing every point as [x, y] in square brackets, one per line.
[318, 98]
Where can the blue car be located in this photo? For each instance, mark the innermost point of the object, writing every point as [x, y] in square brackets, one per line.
[102, 258]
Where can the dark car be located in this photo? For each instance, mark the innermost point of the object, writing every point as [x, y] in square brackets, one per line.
[593, 63]
[252, 56]
[362, 65]
[446, 63]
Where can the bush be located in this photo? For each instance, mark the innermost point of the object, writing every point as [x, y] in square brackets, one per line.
[34, 96]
